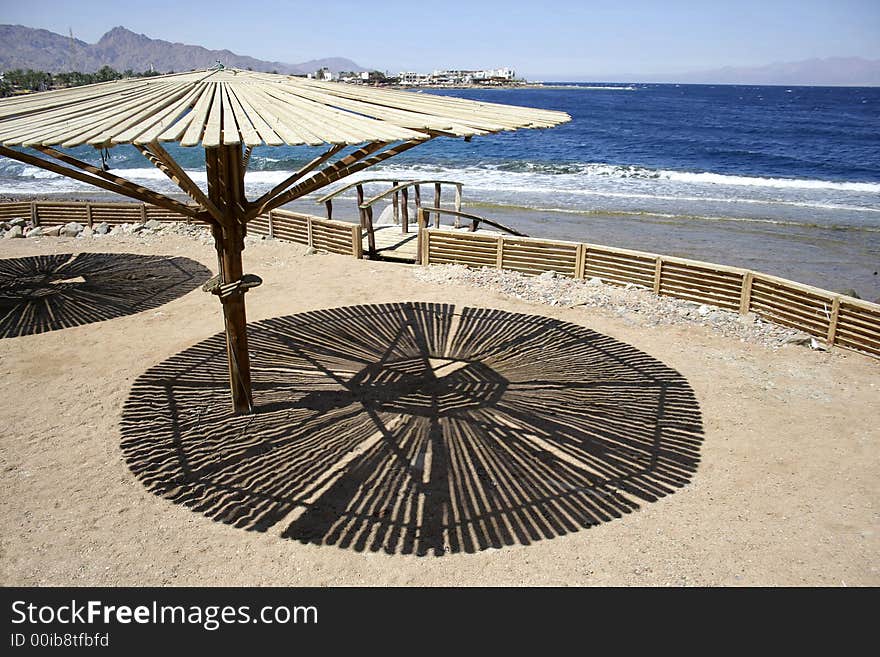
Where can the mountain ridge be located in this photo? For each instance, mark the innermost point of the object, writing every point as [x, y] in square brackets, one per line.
[121, 49]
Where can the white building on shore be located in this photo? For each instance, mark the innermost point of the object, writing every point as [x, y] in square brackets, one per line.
[453, 77]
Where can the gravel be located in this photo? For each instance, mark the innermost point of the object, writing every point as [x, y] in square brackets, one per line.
[636, 305]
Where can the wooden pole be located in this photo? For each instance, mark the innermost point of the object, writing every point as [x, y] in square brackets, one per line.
[404, 211]
[437, 192]
[226, 191]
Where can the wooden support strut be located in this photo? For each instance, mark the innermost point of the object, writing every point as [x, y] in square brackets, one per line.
[226, 192]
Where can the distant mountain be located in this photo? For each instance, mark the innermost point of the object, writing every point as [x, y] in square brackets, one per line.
[833, 71]
[121, 49]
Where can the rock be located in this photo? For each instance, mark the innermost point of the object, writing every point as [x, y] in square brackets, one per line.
[136, 228]
[13, 232]
[815, 345]
[311, 250]
[52, 231]
[87, 232]
[703, 310]
[71, 230]
[548, 275]
[18, 221]
[4, 226]
[748, 318]
[799, 338]
[102, 228]
[153, 224]
[594, 281]
[35, 232]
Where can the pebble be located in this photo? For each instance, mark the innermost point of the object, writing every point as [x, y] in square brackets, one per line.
[35, 232]
[12, 233]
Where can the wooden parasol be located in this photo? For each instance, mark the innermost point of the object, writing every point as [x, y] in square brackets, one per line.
[228, 112]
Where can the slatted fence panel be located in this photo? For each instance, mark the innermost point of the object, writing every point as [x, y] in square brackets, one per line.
[619, 266]
[532, 256]
[117, 213]
[462, 248]
[56, 213]
[15, 211]
[718, 286]
[290, 226]
[790, 304]
[858, 326]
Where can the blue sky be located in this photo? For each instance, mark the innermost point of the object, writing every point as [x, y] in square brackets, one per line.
[549, 40]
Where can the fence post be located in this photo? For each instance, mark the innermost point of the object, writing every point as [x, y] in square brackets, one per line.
[457, 205]
[89, 214]
[499, 254]
[658, 273]
[832, 323]
[426, 247]
[371, 234]
[35, 219]
[422, 220]
[360, 201]
[357, 242]
[329, 204]
[745, 299]
[579, 261]
[143, 213]
[309, 231]
[271, 223]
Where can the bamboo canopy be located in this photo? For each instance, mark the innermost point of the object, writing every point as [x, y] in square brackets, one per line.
[228, 112]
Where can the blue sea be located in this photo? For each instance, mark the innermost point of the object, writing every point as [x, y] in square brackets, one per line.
[779, 179]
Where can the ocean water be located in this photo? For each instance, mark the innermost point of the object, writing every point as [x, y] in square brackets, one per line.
[783, 180]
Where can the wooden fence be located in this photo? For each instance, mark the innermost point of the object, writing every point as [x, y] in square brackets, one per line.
[329, 235]
[836, 319]
[326, 234]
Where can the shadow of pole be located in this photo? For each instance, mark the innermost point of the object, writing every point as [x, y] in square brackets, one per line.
[415, 428]
[51, 292]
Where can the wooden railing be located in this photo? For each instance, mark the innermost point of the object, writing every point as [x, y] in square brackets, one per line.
[328, 235]
[833, 318]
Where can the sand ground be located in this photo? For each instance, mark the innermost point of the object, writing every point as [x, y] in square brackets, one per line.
[786, 492]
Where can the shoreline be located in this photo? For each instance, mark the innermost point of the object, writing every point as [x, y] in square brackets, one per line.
[813, 255]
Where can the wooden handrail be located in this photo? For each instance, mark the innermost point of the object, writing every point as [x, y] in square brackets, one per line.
[395, 181]
[476, 220]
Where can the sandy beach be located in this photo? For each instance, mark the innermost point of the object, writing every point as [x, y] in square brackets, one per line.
[784, 492]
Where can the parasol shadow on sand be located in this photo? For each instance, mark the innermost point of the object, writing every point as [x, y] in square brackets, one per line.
[415, 428]
[51, 292]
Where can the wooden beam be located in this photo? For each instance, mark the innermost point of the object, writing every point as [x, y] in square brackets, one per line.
[160, 158]
[246, 159]
[266, 198]
[108, 182]
[340, 169]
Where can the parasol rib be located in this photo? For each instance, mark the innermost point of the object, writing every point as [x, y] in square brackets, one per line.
[166, 164]
[105, 181]
[280, 187]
